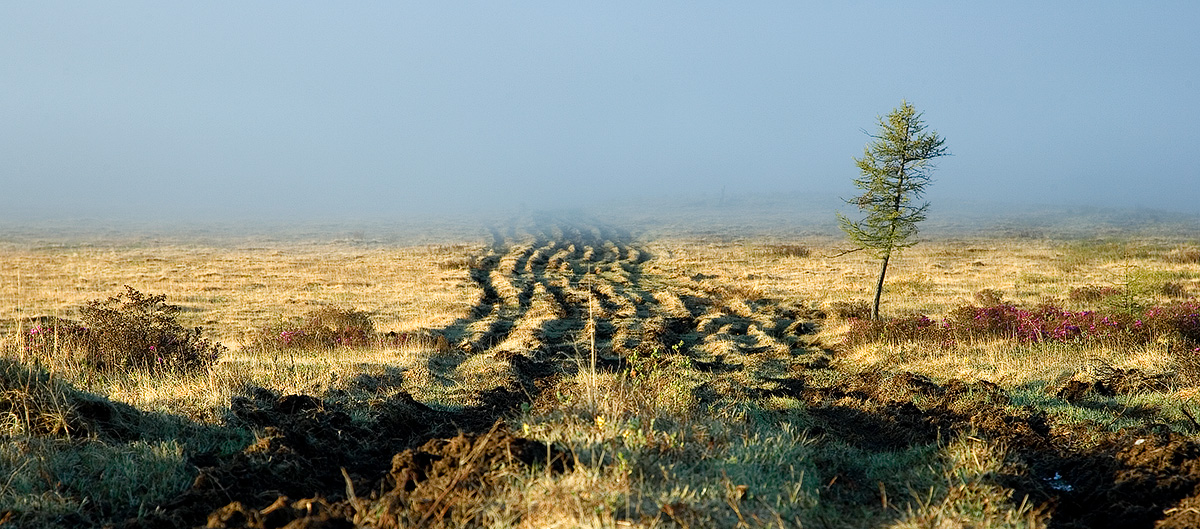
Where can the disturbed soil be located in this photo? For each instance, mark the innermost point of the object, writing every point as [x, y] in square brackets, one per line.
[548, 286]
[1081, 475]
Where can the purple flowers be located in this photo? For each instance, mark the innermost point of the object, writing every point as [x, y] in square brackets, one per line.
[290, 337]
[1043, 323]
[314, 336]
[47, 336]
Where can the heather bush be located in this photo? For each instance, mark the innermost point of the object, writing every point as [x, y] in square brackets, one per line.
[137, 331]
[327, 327]
[906, 328]
[1178, 321]
[1092, 293]
[49, 336]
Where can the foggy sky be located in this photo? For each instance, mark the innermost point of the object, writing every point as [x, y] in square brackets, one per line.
[232, 109]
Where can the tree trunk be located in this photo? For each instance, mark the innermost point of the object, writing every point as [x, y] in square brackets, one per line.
[879, 286]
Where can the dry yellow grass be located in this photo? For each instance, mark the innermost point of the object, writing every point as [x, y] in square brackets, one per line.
[935, 277]
[930, 278]
[230, 291]
[698, 460]
[233, 291]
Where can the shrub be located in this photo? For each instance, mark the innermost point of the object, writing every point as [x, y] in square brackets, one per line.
[783, 250]
[1178, 322]
[1092, 293]
[860, 309]
[1184, 255]
[1180, 319]
[1000, 320]
[47, 336]
[988, 296]
[907, 328]
[133, 330]
[335, 326]
[327, 327]
[1174, 289]
[1045, 322]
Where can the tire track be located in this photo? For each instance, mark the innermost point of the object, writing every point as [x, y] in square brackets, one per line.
[544, 286]
[551, 283]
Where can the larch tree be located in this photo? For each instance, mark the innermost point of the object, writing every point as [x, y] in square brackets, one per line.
[895, 170]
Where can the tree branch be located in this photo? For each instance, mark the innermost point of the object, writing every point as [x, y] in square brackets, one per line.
[852, 250]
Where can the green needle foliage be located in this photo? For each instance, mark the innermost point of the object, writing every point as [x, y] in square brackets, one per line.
[895, 170]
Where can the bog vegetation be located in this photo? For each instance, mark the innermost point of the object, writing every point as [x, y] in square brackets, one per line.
[567, 374]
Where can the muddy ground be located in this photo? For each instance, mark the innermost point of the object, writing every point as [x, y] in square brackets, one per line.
[549, 285]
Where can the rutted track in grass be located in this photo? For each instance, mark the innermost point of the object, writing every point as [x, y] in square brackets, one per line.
[549, 290]
[555, 290]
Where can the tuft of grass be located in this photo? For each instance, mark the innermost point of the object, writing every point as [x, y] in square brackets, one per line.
[1183, 255]
[988, 296]
[69, 456]
[921, 285]
[32, 403]
[783, 250]
[967, 495]
[1092, 293]
[121, 479]
[1034, 278]
[859, 309]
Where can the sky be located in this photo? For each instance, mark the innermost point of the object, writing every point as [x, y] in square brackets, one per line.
[219, 109]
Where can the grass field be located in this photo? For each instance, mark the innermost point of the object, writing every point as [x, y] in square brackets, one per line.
[564, 373]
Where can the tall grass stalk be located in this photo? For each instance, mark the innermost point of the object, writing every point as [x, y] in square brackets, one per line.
[592, 324]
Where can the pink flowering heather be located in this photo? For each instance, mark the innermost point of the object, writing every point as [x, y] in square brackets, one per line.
[1043, 323]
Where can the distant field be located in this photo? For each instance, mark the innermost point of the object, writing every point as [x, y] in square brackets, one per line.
[233, 290]
[577, 374]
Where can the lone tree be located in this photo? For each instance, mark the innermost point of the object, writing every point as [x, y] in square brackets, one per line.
[895, 170]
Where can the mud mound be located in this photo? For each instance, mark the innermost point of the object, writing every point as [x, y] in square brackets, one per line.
[533, 376]
[320, 438]
[1126, 381]
[444, 482]
[882, 428]
[1130, 481]
[890, 412]
[1109, 382]
[1076, 390]
[1083, 474]
[313, 513]
[1184, 515]
[305, 447]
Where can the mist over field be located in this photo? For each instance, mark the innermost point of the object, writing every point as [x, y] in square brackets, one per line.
[140, 115]
[486, 264]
